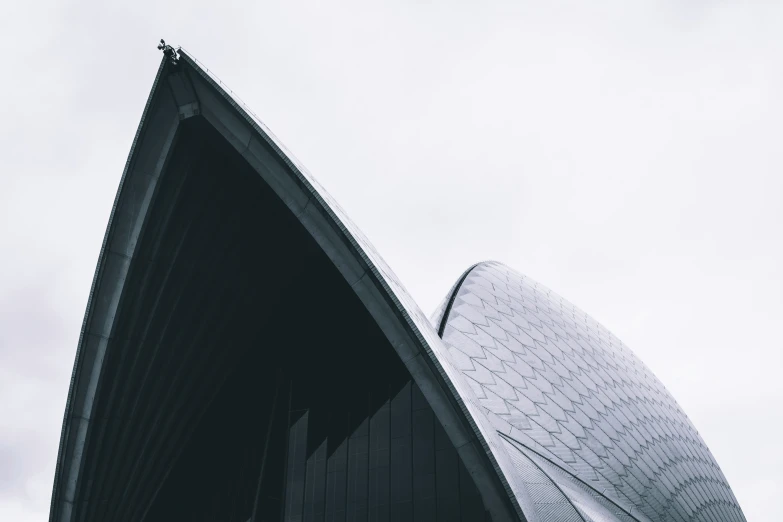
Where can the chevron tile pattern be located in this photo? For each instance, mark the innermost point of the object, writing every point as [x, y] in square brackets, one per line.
[573, 404]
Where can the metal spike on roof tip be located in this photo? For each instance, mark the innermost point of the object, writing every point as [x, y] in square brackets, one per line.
[169, 52]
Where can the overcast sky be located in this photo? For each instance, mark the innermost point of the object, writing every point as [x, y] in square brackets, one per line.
[627, 154]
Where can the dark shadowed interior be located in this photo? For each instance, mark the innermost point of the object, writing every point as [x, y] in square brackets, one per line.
[245, 378]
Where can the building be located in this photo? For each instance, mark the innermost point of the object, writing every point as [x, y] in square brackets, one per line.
[247, 355]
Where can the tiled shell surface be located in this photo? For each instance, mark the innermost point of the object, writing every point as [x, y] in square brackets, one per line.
[591, 432]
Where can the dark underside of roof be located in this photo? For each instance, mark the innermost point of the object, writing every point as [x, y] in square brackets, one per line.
[244, 374]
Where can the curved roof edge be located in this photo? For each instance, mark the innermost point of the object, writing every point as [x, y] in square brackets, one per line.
[187, 90]
[69, 442]
[441, 315]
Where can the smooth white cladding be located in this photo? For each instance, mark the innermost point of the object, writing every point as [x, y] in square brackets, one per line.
[574, 407]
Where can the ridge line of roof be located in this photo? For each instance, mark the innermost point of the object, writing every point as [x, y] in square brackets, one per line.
[555, 464]
[444, 319]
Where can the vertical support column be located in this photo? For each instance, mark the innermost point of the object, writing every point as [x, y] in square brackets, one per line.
[358, 471]
[315, 485]
[379, 464]
[254, 517]
[336, 468]
[295, 472]
[446, 477]
[423, 458]
[401, 457]
[270, 486]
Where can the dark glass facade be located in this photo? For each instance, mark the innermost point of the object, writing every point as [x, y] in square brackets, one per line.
[339, 474]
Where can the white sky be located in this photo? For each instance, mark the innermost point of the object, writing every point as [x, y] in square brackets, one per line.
[625, 154]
